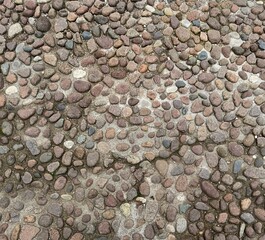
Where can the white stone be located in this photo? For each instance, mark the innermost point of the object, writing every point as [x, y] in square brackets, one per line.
[11, 90]
[100, 101]
[170, 228]
[234, 35]
[125, 209]
[171, 89]
[254, 79]
[66, 197]
[181, 197]
[18, 2]
[133, 159]
[68, 144]
[32, 20]
[185, 23]
[141, 199]
[43, 1]
[181, 225]
[103, 147]
[235, 42]
[14, 29]
[79, 73]
[149, 8]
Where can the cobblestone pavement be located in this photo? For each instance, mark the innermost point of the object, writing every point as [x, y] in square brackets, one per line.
[132, 120]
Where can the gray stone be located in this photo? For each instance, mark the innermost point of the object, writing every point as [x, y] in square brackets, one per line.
[151, 209]
[189, 157]
[181, 225]
[253, 172]
[45, 220]
[92, 159]
[4, 202]
[237, 166]
[55, 209]
[247, 217]
[204, 173]
[7, 128]
[223, 166]
[27, 178]
[33, 147]
[4, 149]
[46, 157]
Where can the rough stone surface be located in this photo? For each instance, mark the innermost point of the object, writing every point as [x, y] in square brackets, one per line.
[132, 119]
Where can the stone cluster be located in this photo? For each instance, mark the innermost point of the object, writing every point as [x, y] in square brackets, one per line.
[132, 119]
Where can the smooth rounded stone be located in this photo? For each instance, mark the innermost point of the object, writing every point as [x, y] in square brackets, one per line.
[206, 77]
[26, 113]
[235, 149]
[247, 217]
[202, 206]
[171, 213]
[58, 4]
[104, 42]
[79, 73]
[166, 143]
[60, 183]
[73, 112]
[204, 173]
[86, 35]
[104, 228]
[214, 36]
[27, 178]
[181, 224]
[177, 169]
[46, 157]
[92, 159]
[209, 189]
[69, 44]
[259, 214]
[237, 165]
[55, 209]
[7, 128]
[4, 149]
[133, 159]
[149, 232]
[11, 90]
[28, 232]
[234, 209]
[223, 166]
[43, 24]
[189, 157]
[182, 183]
[183, 34]
[144, 189]
[52, 167]
[4, 202]
[69, 144]
[94, 75]
[194, 215]
[14, 30]
[180, 84]
[82, 86]
[33, 147]
[253, 172]
[203, 55]
[45, 220]
[258, 162]
[162, 167]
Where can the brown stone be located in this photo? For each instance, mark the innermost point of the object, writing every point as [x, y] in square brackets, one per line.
[182, 183]
[209, 189]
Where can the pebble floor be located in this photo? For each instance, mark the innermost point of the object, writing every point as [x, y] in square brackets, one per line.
[132, 120]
